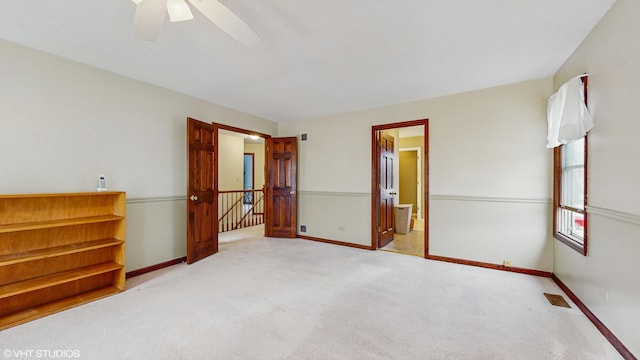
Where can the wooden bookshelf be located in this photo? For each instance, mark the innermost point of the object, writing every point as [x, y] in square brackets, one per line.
[57, 223]
[58, 251]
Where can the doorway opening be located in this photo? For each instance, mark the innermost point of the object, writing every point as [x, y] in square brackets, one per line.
[399, 209]
[211, 211]
[240, 185]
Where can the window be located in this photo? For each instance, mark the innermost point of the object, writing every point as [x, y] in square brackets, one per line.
[570, 192]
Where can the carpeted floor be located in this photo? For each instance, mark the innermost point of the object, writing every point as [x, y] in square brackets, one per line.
[265, 298]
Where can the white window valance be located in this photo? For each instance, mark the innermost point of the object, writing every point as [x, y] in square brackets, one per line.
[568, 117]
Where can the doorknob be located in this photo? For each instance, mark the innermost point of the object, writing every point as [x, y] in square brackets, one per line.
[193, 197]
[292, 192]
[393, 193]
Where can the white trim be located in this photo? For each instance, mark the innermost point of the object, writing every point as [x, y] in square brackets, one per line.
[155, 199]
[614, 214]
[491, 199]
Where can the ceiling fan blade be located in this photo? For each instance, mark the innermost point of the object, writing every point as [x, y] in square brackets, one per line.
[149, 18]
[227, 20]
[178, 10]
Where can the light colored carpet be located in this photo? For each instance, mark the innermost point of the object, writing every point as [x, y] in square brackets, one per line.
[298, 299]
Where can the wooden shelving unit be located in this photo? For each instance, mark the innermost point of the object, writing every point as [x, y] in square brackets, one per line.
[58, 251]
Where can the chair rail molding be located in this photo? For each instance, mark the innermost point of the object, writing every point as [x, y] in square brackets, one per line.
[140, 200]
[334, 193]
[490, 199]
[614, 214]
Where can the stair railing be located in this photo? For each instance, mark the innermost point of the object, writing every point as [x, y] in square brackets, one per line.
[240, 208]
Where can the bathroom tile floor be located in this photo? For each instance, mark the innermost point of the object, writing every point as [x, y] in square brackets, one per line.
[411, 243]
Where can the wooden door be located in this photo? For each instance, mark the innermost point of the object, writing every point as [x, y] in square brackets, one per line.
[281, 196]
[202, 232]
[387, 192]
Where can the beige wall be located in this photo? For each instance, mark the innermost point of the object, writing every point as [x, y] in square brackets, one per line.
[230, 159]
[417, 142]
[63, 123]
[408, 184]
[258, 158]
[231, 147]
[608, 279]
[489, 170]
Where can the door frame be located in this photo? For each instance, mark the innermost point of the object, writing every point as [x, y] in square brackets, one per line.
[375, 169]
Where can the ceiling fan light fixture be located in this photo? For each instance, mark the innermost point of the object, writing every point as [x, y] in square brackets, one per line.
[151, 14]
[178, 10]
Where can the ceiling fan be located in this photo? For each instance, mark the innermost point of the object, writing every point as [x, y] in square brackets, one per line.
[150, 15]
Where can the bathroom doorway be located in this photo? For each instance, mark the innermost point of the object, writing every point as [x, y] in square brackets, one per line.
[402, 203]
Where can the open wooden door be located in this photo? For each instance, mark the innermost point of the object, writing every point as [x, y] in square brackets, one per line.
[202, 234]
[280, 188]
[386, 189]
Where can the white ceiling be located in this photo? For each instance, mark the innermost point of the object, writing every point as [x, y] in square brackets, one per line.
[317, 57]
